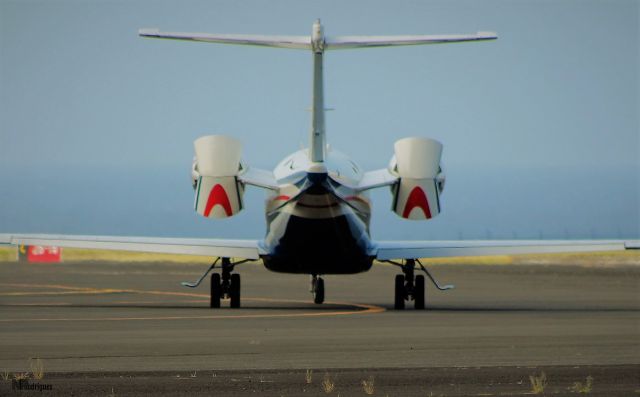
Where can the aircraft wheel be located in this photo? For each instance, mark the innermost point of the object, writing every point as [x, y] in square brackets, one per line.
[399, 292]
[318, 294]
[216, 290]
[234, 291]
[418, 292]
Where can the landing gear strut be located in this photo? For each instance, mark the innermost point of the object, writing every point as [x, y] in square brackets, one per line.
[408, 286]
[317, 289]
[225, 286]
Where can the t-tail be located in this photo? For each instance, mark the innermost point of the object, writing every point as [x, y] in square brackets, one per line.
[318, 43]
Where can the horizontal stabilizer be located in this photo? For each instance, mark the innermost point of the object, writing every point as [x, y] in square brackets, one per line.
[375, 179]
[344, 42]
[296, 42]
[330, 43]
[260, 178]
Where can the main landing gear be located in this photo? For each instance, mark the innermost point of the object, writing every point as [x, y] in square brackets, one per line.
[224, 285]
[408, 286]
[317, 289]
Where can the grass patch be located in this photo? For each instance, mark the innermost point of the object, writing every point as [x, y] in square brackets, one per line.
[328, 385]
[309, 376]
[583, 388]
[82, 255]
[538, 383]
[604, 258]
[21, 376]
[368, 386]
[8, 254]
[471, 260]
[37, 368]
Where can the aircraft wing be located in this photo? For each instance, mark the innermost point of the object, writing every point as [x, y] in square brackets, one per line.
[247, 249]
[386, 250]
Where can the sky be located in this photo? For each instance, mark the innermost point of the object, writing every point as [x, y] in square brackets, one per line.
[540, 128]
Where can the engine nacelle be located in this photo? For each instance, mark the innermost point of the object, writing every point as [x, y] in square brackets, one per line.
[417, 163]
[214, 173]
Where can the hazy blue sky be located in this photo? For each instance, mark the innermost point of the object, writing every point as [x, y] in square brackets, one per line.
[540, 128]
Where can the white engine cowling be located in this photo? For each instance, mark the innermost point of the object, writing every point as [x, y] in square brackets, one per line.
[214, 172]
[416, 162]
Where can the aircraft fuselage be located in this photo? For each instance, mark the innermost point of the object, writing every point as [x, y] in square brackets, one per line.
[317, 223]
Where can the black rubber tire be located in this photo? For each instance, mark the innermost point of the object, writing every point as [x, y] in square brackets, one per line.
[234, 291]
[216, 291]
[418, 293]
[399, 293]
[318, 296]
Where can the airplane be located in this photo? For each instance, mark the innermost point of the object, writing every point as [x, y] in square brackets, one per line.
[318, 208]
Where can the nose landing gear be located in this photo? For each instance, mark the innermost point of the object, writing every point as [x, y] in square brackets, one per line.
[317, 289]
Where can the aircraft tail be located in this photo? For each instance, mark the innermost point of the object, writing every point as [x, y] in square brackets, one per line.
[317, 42]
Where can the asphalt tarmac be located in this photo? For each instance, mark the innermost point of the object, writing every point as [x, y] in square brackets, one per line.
[130, 329]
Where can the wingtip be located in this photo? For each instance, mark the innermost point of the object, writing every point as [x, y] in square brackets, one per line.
[488, 35]
[145, 32]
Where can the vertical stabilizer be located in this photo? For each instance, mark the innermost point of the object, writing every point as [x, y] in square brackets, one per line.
[317, 142]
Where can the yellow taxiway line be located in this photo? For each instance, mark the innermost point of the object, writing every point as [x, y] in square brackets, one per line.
[74, 290]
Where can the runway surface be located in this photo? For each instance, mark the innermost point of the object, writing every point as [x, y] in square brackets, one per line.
[129, 326]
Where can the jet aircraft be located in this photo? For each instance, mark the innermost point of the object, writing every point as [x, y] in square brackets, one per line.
[318, 208]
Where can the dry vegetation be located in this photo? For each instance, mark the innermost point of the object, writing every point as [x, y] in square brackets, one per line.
[37, 368]
[309, 376]
[21, 375]
[328, 385]
[612, 258]
[538, 383]
[588, 259]
[586, 387]
[80, 255]
[9, 254]
[368, 385]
